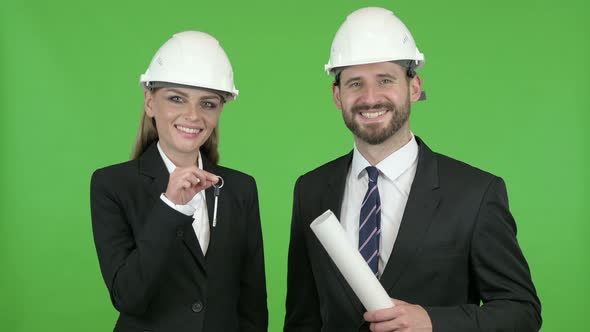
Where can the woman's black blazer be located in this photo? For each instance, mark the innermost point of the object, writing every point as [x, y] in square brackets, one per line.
[151, 261]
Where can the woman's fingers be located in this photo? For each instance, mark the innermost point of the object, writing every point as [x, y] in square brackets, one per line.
[186, 182]
[205, 176]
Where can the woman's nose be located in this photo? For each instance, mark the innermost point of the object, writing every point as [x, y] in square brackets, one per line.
[193, 113]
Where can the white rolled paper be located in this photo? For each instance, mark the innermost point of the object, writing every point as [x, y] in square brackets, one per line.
[349, 261]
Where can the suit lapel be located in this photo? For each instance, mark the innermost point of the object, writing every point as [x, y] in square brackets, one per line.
[419, 212]
[336, 182]
[210, 199]
[333, 201]
[152, 166]
[192, 244]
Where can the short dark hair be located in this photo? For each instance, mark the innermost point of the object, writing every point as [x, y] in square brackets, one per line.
[410, 66]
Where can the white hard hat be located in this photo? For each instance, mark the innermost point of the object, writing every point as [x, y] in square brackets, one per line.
[195, 59]
[372, 35]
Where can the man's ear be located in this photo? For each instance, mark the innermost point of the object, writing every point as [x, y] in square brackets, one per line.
[415, 88]
[148, 99]
[336, 96]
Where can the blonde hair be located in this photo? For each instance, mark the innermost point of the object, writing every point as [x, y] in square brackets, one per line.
[148, 134]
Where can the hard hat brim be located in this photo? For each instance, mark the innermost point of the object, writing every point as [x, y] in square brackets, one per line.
[330, 68]
[226, 96]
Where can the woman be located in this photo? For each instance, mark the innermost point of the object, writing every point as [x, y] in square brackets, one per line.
[178, 237]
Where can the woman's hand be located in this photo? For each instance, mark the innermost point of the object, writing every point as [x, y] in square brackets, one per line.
[186, 182]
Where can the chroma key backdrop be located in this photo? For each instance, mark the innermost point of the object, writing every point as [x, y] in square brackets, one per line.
[507, 84]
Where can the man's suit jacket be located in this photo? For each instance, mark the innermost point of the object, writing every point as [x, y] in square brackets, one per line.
[151, 261]
[456, 247]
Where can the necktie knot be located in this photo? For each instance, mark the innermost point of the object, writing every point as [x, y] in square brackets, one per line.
[373, 173]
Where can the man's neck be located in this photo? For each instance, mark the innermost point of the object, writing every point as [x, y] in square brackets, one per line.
[374, 154]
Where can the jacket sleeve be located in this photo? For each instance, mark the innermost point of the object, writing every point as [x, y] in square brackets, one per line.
[131, 263]
[500, 275]
[302, 305]
[252, 307]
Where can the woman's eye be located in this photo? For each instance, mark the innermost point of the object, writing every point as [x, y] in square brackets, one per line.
[209, 105]
[176, 99]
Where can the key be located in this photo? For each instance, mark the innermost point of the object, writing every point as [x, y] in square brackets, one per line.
[216, 191]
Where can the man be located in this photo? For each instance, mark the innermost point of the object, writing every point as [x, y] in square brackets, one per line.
[437, 233]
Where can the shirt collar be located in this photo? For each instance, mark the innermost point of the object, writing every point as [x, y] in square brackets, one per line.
[392, 166]
[170, 165]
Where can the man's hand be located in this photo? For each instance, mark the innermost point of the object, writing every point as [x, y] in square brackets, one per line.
[403, 316]
[186, 182]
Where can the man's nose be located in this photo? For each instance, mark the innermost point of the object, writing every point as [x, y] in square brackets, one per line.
[371, 95]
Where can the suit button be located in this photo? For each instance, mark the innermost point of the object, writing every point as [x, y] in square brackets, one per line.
[197, 306]
[179, 232]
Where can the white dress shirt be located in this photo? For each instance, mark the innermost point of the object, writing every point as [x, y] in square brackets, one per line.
[196, 207]
[396, 174]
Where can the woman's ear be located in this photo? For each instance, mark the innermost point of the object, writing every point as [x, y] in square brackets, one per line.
[148, 98]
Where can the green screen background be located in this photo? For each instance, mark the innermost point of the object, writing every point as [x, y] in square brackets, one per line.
[507, 87]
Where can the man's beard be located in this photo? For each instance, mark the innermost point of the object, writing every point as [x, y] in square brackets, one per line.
[374, 136]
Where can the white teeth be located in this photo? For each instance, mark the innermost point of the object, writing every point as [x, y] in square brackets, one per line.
[373, 115]
[189, 130]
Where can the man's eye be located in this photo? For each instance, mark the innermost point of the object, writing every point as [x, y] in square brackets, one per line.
[355, 84]
[385, 81]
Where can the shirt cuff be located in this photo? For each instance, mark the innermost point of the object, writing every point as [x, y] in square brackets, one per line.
[184, 209]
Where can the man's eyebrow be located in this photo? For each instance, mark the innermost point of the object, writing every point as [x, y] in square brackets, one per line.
[386, 76]
[356, 78]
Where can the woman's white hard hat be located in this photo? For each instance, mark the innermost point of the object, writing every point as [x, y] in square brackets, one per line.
[195, 59]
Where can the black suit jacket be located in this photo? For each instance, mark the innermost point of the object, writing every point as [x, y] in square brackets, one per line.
[151, 261]
[456, 247]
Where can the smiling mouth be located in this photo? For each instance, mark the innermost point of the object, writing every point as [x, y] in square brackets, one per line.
[188, 130]
[372, 115]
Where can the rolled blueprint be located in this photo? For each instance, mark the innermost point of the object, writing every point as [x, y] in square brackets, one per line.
[350, 262]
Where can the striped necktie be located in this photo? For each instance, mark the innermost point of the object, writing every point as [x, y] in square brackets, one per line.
[370, 222]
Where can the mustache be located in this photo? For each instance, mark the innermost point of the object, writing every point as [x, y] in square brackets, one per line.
[366, 107]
